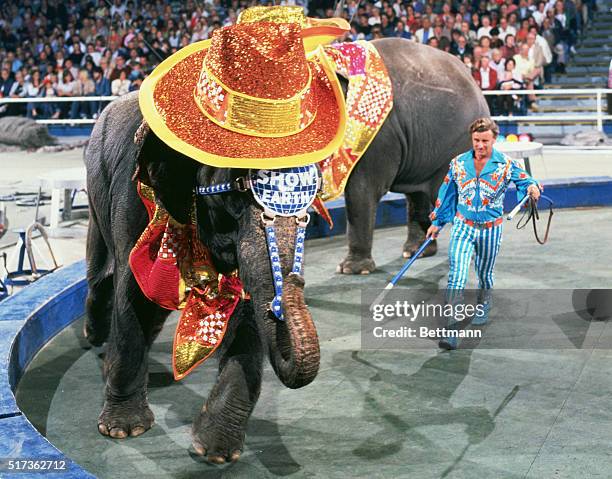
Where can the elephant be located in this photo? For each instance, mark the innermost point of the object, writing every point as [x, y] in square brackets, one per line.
[434, 101]
[412, 150]
[118, 312]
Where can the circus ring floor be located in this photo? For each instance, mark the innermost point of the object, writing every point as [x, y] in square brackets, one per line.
[369, 413]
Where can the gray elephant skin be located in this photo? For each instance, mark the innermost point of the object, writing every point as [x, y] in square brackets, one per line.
[435, 100]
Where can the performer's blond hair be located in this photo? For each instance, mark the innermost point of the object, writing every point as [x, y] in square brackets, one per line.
[484, 124]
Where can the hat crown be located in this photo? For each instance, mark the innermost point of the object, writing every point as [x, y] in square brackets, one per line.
[263, 60]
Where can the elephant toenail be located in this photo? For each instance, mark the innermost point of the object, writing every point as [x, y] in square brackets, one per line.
[216, 459]
[137, 431]
[118, 433]
[103, 429]
[199, 449]
[235, 456]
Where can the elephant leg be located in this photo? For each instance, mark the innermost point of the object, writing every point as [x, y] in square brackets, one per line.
[219, 429]
[418, 206]
[361, 203]
[135, 323]
[99, 304]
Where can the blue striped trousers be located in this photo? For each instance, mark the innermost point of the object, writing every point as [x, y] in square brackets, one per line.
[465, 240]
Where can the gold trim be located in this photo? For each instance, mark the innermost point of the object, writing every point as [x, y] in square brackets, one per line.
[154, 119]
[254, 116]
[273, 14]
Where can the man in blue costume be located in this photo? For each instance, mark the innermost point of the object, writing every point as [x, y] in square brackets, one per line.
[472, 197]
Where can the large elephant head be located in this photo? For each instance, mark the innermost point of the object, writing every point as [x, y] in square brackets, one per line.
[231, 226]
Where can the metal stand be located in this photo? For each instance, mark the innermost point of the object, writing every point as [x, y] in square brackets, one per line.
[23, 276]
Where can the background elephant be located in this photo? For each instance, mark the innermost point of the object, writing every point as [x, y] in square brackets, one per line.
[118, 312]
[434, 101]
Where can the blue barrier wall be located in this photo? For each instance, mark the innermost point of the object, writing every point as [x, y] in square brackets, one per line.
[391, 211]
[28, 320]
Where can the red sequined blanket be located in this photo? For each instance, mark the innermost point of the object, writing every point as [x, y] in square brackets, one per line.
[175, 271]
[369, 100]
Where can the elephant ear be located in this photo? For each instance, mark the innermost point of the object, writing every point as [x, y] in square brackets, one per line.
[171, 174]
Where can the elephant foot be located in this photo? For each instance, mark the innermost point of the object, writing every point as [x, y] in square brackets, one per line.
[216, 440]
[411, 247]
[122, 418]
[94, 336]
[352, 265]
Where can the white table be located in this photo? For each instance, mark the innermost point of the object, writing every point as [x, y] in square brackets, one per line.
[62, 182]
[521, 150]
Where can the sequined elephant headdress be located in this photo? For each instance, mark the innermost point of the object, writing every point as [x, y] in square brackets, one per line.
[250, 97]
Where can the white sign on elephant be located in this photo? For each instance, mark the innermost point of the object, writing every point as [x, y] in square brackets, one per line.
[287, 191]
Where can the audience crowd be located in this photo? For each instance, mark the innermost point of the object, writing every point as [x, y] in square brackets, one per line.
[65, 48]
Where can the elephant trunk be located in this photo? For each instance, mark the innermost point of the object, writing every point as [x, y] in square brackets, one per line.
[293, 344]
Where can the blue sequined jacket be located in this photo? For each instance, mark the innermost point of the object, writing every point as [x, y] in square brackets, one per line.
[478, 198]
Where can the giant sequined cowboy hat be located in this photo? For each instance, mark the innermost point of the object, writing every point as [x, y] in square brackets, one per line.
[250, 97]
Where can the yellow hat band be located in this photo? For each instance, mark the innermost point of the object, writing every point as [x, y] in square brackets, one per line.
[254, 116]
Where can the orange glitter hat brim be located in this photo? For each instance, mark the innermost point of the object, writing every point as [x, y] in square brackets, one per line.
[167, 104]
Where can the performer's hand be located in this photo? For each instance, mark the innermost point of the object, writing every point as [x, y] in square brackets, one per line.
[534, 192]
[432, 232]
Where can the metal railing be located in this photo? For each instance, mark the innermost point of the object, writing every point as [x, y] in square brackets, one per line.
[61, 99]
[598, 117]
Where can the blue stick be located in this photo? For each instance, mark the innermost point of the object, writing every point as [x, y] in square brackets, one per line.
[402, 271]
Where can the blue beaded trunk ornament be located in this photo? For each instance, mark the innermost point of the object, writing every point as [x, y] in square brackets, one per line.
[282, 192]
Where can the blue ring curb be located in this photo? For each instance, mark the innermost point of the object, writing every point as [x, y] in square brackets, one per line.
[32, 317]
[28, 320]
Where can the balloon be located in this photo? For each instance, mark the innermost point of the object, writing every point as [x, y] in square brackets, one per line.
[500, 139]
[524, 137]
[512, 138]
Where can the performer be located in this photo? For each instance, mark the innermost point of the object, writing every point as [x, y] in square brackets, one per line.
[472, 197]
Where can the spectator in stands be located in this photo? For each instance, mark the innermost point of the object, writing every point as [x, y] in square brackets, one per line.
[119, 66]
[536, 53]
[120, 86]
[65, 87]
[84, 86]
[498, 62]
[505, 29]
[467, 61]
[509, 49]
[470, 35]
[546, 51]
[426, 32]
[511, 80]
[486, 78]
[401, 32]
[527, 68]
[539, 14]
[17, 91]
[521, 35]
[462, 49]
[485, 29]
[496, 42]
[485, 46]
[33, 89]
[6, 82]
[433, 42]
[50, 110]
